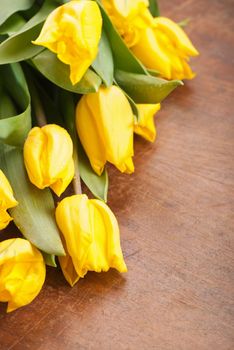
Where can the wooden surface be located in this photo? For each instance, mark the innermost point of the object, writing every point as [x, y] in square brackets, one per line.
[176, 219]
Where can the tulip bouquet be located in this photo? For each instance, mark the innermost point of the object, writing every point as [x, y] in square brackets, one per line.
[77, 80]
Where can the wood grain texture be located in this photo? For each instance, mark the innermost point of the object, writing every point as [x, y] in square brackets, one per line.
[176, 219]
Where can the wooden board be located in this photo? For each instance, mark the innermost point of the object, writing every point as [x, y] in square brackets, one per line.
[176, 219]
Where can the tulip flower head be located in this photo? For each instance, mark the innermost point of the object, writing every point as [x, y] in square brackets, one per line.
[7, 200]
[48, 157]
[105, 124]
[144, 126]
[91, 237]
[166, 47]
[130, 17]
[73, 31]
[159, 43]
[22, 270]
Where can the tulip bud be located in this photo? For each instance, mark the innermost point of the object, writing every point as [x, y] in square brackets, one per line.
[144, 126]
[48, 157]
[105, 123]
[91, 237]
[130, 17]
[73, 31]
[22, 272]
[166, 47]
[7, 200]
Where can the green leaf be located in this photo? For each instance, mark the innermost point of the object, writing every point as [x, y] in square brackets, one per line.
[154, 8]
[49, 259]
[153, 72]
[145, 89]
[130, 100]
[7, 106]
[133, 105]
[8, 7]
[12, 25]
[53, 69]
[123, 57]
[184, 22]
[14, 127]
[98, 185]
[103, 64]
[34, 215]
[18, 47]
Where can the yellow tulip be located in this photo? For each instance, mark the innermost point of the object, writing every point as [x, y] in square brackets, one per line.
[73, 31]
[130, 17]
[105, 123]
[91, 237]
[22, 271]
[166, 47]
[7, 200]
[5, 218]
[48, 157]
[144, 126]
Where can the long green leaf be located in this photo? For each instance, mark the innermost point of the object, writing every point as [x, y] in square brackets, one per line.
[7, 106]
[12, 25]
[154, 8]
[14, 128]
[34, 215]
[8, 7]
[145, 89]
[48, 64]
[18, 47]
[103, 64]
[123, 57]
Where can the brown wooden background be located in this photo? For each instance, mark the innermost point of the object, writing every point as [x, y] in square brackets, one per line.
[176, 219]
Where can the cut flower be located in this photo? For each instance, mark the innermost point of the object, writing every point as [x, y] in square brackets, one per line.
[22, 271]
[130, 17]
[48, 157]
[166, 47]
[91, 237]
[73, 31]
[105, 123]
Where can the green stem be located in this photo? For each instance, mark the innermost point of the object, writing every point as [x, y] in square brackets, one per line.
[68, 109]
[37, 105]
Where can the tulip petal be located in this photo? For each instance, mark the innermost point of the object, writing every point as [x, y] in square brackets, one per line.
[91, 235]
[177, 35]
[72, 217]
[144, 126]
[87, 128]
[73, 31]
[48, 157]
[66, 177]
[130, 17]
[7, 199]
[106, 238]
[5, 218]
[22, 272]
[105, 126]
[150, 53]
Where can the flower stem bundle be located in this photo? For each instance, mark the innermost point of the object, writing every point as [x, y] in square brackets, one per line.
[78, 79]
